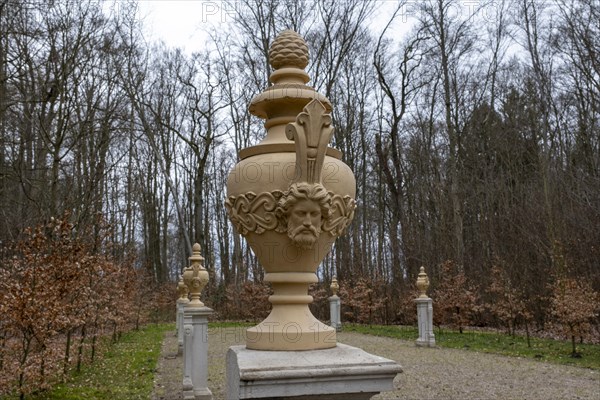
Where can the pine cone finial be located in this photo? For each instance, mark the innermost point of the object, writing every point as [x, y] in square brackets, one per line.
[288, 50]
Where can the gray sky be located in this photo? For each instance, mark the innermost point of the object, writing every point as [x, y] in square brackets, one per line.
[183, 23]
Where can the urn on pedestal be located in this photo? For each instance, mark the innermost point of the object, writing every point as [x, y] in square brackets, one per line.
[335, 306]
[424, 312]
[195, 329]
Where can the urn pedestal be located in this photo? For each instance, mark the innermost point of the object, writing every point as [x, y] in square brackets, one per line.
[291, 196]
[340, 373]
[335, 306]
[181, 302]
[424, 312]
[195, 331]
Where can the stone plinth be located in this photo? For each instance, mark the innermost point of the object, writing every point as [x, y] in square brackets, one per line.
[179, 314]
[180, 307]
[424, 312]
[342, 372]
[335, 313]
[183, 299]
[195, 355]
[425, 321]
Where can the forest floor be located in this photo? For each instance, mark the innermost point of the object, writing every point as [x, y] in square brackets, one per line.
[437, 373]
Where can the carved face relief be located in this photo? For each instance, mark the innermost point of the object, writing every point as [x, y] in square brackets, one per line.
[302, 210]
[304, 223]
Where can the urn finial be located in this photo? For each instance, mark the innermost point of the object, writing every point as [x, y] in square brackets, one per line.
[422, 283]
[288, 50]
[280, 103]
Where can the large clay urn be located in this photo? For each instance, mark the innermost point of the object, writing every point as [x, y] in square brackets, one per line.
[291, 196]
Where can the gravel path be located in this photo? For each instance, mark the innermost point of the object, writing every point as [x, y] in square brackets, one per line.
[428, 373]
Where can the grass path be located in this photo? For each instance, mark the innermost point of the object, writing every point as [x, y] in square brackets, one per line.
[554, 351]
[126, 372]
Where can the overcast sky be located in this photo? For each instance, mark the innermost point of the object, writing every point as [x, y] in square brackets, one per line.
[183, 23]
[179, 22]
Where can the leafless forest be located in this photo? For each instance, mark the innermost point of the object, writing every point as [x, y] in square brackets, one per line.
[474, 138]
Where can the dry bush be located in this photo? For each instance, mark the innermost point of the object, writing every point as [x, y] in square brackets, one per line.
[454, 298]
[320, 305]
[406, 308]
[162, 306]
[248, 302]
[59, 290]
[363, 300]
[574, 305]
[507, 302]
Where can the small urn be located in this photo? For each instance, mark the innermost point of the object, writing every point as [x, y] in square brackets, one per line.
[334, 286]
[195, 277]
[182, 290]
[291, 196]
[422, 283]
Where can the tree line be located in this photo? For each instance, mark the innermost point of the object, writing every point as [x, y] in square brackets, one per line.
[474, 137]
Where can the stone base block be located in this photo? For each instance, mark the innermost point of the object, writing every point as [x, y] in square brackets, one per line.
[342, 372]
[191, 395]
[425, 343]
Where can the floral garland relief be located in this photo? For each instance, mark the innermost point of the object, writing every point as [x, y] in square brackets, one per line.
[250, 212]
